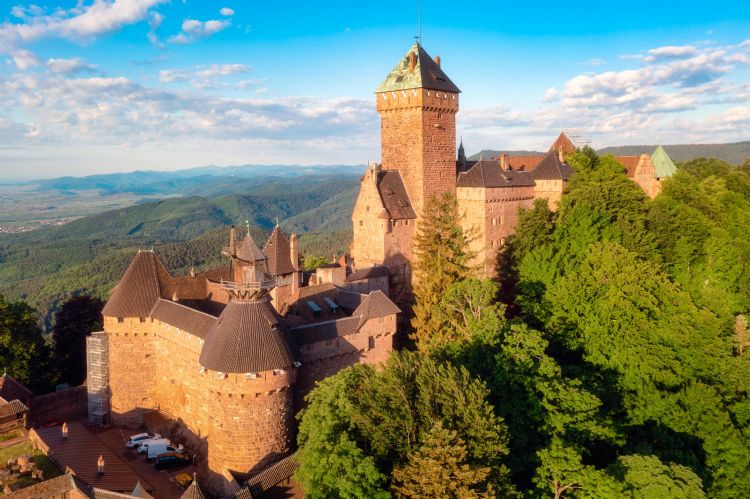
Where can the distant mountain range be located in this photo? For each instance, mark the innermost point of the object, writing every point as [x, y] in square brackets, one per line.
[190, 181]
[733, 153]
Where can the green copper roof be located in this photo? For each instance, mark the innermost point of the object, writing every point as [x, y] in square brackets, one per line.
[426, 73]
[663, 164]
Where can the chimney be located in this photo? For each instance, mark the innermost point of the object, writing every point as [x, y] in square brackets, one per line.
[175, 298]
[192, 271]
[100, 465]
[412, 61]
[437, 60]
[561, 155]
[232, 239]
[294, 251]
[503, 161]
[294, 255]
[65, 430]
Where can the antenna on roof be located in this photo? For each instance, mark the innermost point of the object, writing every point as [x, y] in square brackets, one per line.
[419, 38]
[247, 222]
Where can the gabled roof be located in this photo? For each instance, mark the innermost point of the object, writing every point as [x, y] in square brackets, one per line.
[394, 196]
[12, 408]
[249, 251]
[59, 486]
[278, 253]
[246, 338]
[10, 389]
[489, 174]
[663, 164]
[375, 305]
[139, 289]
[425, 73]
[552, 169]
[564, 142]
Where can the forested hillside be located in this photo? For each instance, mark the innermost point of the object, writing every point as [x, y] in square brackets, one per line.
[89, 255]
[609, 360]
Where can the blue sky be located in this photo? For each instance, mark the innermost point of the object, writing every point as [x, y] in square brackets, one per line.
[116, 85]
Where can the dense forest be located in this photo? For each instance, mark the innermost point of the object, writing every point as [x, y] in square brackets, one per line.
[608, 360]
[88, 256]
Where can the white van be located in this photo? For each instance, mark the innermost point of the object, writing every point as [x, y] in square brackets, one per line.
[140, 438]
[157, 447]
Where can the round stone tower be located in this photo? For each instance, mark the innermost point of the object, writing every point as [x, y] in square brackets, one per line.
[250, 369]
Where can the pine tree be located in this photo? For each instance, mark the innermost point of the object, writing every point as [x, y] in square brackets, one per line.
[439, 469]
[442, 257]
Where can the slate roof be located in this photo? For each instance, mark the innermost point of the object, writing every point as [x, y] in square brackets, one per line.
[12, 408]
[425, 74]
[249, 251]
[551, 169]
[375, 305]
[328, 330]
[139, 289]
[10, 389]
[193, 492]
[183, 318]
[368, 273]
[663, 164]
[246, 338]
[564, 142]
[394, 196]
[278, 253]
[488, 174]
[273, 475]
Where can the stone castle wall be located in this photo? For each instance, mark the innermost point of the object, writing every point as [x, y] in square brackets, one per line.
[491, 215]
[551, 190]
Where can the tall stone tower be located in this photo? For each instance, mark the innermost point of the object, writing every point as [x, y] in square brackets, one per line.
[417, 104]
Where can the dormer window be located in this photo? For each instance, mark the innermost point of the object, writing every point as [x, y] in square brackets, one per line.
[278, 372]
[251, 375]
[221, 375]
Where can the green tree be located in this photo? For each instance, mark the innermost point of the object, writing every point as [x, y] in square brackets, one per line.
[377, 419]
[439, 469]
[312, 262]
[77, 318]
[23, 352]
[442, 257]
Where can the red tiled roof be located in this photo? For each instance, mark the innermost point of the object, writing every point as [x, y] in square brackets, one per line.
[526, 163]
[630, 163]
[10, 389]
[246, 338]
[564, 142]
[249, 251]
[279, 254]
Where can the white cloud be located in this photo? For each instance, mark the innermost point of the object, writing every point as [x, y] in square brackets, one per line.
[595, 62]
[193, 30]
[69, 66]
[206, 76]
[78, 23]
[226, 11]
[671, 52]
[24, 59]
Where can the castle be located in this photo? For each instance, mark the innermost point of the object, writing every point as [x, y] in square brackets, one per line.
[228, 355]
[417, 104]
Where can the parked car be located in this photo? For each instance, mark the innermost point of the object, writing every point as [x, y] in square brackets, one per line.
[171, 460]
[155, 448]
[143, 448]
[138, 439]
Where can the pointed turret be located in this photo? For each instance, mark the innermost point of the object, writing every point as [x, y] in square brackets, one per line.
[193, 491]
[663, 164]
[139, 289]
[461, 158]
[138, 491]
[564, 143]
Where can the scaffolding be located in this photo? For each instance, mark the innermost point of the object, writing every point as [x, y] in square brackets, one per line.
[97, 365]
